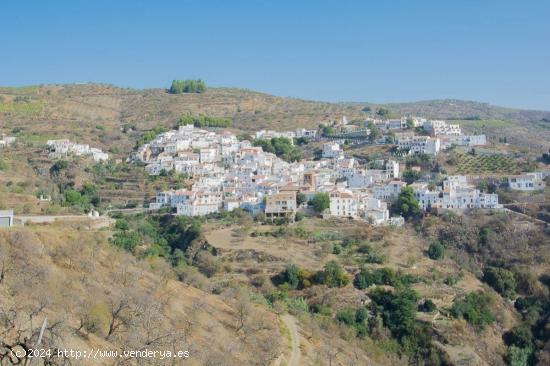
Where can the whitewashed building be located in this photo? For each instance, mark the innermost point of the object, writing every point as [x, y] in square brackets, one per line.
[527, 182]
[419, 144]
[343, 204]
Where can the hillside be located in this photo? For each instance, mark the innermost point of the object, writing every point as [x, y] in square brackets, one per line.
[449, 287]
[106, 116]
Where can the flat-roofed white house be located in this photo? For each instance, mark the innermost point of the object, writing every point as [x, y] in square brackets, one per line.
[527, 182]
[419, 144]
[198, 203]
[389, 191]
[331, 150]
[342, 204]
[6, 218]
[442, 128]
[376, 211]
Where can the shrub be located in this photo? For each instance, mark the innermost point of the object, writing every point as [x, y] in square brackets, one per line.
[411, 176]
[346, 316]
[427, 306]
[474, 308]
[72, 197]
[58, 166]
[516, 356]
[332, 275]
[126, 240]
[381, 276]
[297, 305]
[520, 336]
[96, 319]
[207, 263]
[121, 224]
[372, 255]
[290, 276]
[321, 309]
[436, 251]
[502, 280]
[398, 309]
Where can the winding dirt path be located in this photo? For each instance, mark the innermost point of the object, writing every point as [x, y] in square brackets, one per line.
[290, 323]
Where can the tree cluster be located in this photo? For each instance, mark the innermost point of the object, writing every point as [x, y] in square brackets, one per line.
[187, 86]
[280, 146]
[406, 204]
[204, 121]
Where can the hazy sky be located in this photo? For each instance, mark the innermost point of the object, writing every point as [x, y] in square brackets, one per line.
[376, 51]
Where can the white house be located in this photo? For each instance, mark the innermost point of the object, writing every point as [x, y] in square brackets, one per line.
[376, 211]
[419, 144]
[6, 218]
[463, 140]
[442, 128]
[343, 204]
[392, 168]
[6, 140]
[331, 150]
[389, 191]
[527, 182]
[360, 181]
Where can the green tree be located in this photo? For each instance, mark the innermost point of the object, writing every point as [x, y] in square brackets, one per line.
[327, 130]
[58, 166]
[520, 336]
[516, 356]
[406, 204]
[321, 201]
[474, 307]
[290, 276]
[374, 131]
[436, 250]
[187, 86]
[300, 198]
[203, 121]
[383, 112]
[502, 280]
[332, 275]
[411, 176]
[72, 197]
[427, 306]
[280, 146]
[398, 309]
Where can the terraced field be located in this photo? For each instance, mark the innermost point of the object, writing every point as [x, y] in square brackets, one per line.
[485, 164]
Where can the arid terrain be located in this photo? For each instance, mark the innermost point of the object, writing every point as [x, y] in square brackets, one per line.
[234, 289]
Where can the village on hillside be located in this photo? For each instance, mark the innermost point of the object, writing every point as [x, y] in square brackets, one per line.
[229, 173]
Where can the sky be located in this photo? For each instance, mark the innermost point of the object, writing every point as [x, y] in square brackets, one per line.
[365, 51]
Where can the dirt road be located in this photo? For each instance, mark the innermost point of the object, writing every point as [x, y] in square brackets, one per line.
[290, 323]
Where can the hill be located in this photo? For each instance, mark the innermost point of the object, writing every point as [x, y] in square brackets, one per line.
[446, 288]
[106, 116]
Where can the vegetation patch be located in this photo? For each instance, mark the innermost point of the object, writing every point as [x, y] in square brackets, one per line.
[484, 164]
[280, 146]
[204, 121]
[22, 108]
[187, 86]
